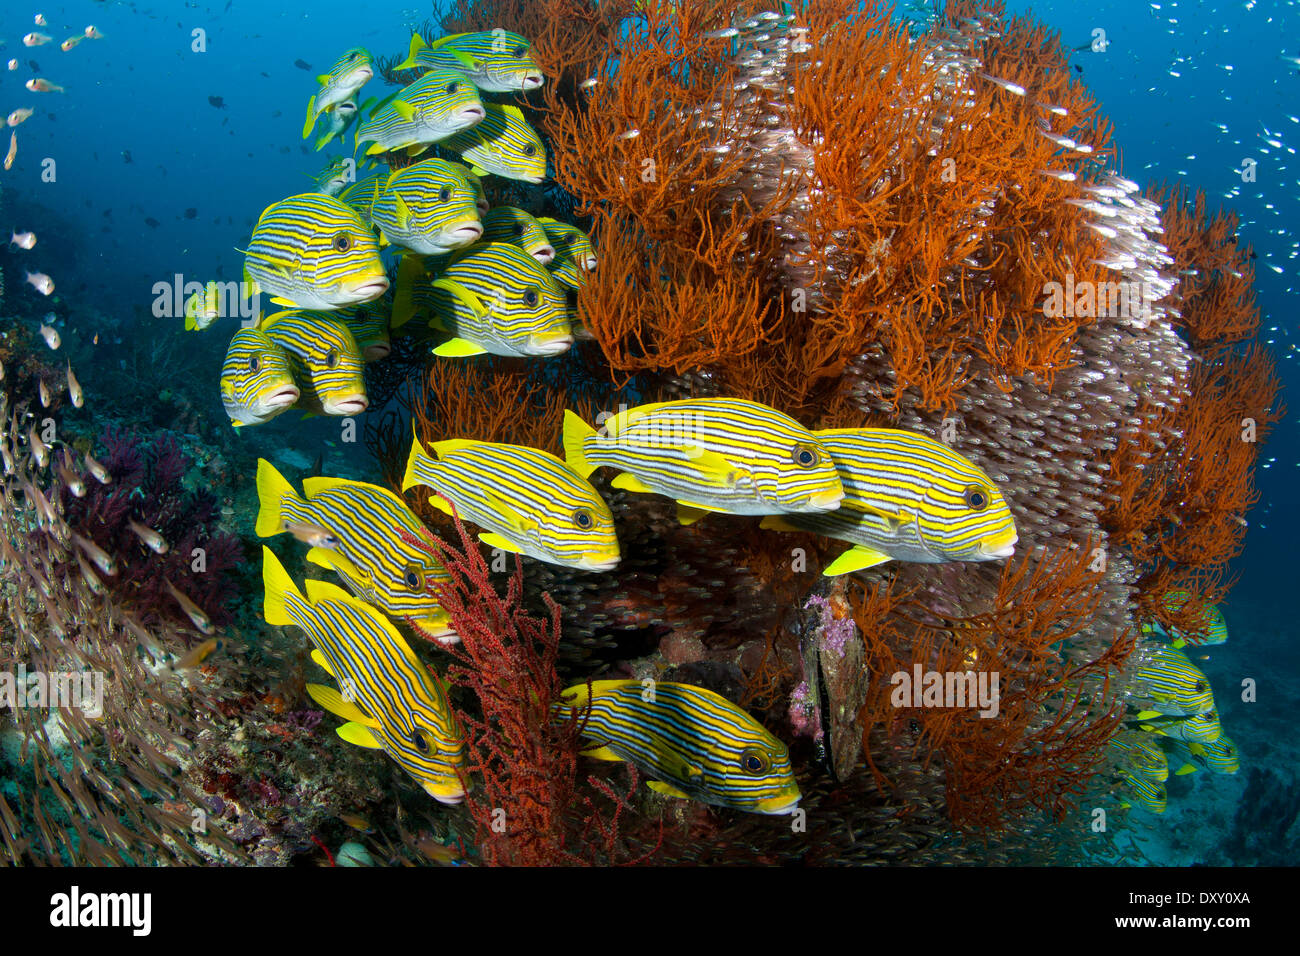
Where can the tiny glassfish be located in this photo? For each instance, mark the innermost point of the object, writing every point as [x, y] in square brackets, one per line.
[93, 34]
[39, 84]
[42, 284]
[72, 481]
[99, 471]
[50, 335]
[19, 116]
[201, 620]
[36, 39]
[74, 389]
[197, 654]
[40, 450]
[13, 151]
[13, 64]
[103, 560]
[71, 41]
[149, 536]
[23, 240]
[88, 574]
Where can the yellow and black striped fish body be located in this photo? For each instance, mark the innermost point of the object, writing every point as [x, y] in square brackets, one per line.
[696, 743]
[1177, 686]
[529, 501]
[496, 298]
[907, 497]
[389, 698]
[427, 208]
[710, 454]
[1219, 756]
[326, 361]
[413, 293]
[1197, 728]
[342, 83]
[256, 379]
[360, 196]
[504, 144]
[313, 251]
[1141, 791]
[474, 183]
[496, 62]
[384, 553]
[368, 324]
[1142, 752]
[574, 255]
[1212, 631]
[508, 224]
[435, 106]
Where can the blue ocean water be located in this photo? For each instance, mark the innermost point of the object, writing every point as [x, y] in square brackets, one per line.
[180, 126]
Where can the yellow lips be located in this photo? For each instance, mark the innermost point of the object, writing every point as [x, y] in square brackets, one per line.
[1001, 545]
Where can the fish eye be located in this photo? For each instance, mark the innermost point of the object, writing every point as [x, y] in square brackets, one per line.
[420, 741]
[530, 150]
[804, 456]
[977, 499]
[452, 87]
[332, 358]
[753, 761]
[582, 518]
[253, 363]
[1200, 685]
[519, 229]
[530, 297]
[413, 577]
[342, 242]
[517, 52]
[444, 194]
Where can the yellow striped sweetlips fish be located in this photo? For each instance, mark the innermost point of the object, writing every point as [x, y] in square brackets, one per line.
[335, 177]
[326, 361]
[503, 143]
[389, 699]
[435, 106]
[1143, 753]
[313, 251]
[426, 208]
[574, 255]
[1198, 728]
[1142, 791]
[382, 551]
[508, 224]
[531, 502]
[348, 74]
[692, 742]
[1220, 756]
[907, 497]
[337, 122]
[496, 62]
[1214, 629]
[1178, 686]
[204, 308]
[710, 454]
[496, 298]
[256, 379]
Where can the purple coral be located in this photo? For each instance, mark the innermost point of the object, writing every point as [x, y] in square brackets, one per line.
[836, 631]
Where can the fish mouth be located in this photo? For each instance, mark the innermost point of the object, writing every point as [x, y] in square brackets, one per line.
[590, 263]
[352, 405]
[376, 353]
[364, 289]
[472, 113]
[544, 255]
[780, 805]
[533, 80]
[282, 397]
[466, 232]
[434, 628]
[531, 179]
[826, 501]
[445, 793]
[594, 563]
[553, 346]
[999, 546]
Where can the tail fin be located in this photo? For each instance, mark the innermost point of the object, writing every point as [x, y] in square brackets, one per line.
[272, 490]
[409, 480]
[280, 589]
[576, 433]
[311, 117]
[417, 44]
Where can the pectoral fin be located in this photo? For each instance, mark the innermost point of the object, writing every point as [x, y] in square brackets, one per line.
[323, 663]
[334, 702]
[601, 753]
[459, 348]
[667, 790]
[359, 735]
[494, 540]
[855, 559]
[630, 482]
[777, 523]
